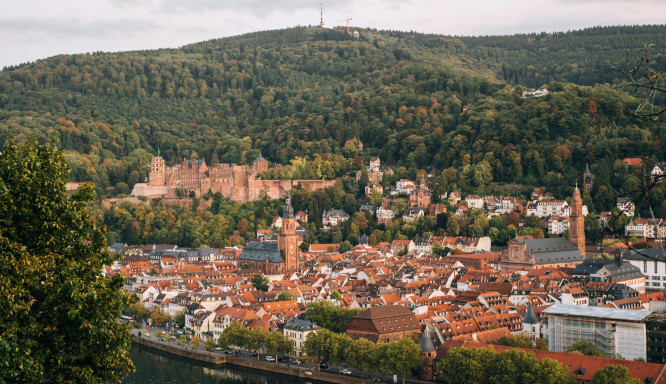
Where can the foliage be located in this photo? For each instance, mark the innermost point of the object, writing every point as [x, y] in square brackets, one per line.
[277, 342]
[235, 334]
[159, 317]
[304, 98]
[484, 365]
[210, 344]
[586, 348]
[335, 295]
[614, 374]
[58, 318]
[404, 356]
[261, 282]
[327, 315]
[137, 309]
[179, 318]
[284, 296]
[182, 340]
[523, 341]
[196, 342]
[467, 365]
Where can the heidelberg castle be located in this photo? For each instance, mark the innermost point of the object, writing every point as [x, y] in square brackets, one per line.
[235, 182]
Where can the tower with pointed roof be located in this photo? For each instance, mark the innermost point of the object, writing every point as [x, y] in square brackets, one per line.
[428, 352]
[577, 222]
[588, 179]
[531, 323]
[288, 239]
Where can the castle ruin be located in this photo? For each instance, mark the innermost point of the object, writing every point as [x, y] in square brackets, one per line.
[239, 183]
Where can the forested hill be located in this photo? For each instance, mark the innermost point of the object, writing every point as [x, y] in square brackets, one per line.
[586, 57]
[418, 101]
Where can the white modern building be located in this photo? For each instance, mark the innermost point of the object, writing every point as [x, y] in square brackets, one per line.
[616, 332]
[652, 262]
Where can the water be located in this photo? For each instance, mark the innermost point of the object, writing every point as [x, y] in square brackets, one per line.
[153, 367]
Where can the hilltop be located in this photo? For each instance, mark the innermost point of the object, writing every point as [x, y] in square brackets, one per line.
[415, 100]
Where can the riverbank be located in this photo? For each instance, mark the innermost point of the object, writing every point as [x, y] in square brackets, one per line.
[216, 358]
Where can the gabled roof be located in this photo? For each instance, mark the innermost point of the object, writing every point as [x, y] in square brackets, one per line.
[262, 251]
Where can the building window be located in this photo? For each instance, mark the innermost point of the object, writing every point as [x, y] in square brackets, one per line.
[656, 269]
[644, 266]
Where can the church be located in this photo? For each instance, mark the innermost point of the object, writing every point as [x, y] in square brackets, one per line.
[274, 258]
[525, 253]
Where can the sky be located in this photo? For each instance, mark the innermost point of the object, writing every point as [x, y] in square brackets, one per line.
[37, 29]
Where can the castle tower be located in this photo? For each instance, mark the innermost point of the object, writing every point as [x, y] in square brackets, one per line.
[577, 222]
[588, 179]
[288, 239]
[260, 164]
[157, 176]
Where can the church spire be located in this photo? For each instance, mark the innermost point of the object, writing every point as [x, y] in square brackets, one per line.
[288, 211]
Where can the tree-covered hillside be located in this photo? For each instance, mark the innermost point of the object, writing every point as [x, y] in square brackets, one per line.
[415, 100]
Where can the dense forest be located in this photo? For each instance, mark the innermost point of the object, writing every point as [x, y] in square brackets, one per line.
[450, 105]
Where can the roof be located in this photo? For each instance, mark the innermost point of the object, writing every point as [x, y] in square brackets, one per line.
[383, 311]
[300, 325]
[646, 254]
[597, 312]
[622, 272]
[426, 341]
[553, 250]
[530, 316]
[261, 251]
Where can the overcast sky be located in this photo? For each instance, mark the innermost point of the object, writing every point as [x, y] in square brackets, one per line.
[36, 29]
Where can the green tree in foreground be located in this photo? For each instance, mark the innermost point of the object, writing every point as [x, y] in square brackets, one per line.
[210, 344]
[196, 342]
[277, 342]
[586, 348]
[404, 356]
[182, 340]
[57, 312]
[514, 366]
[466, 365]
[260, 282]
[614, 374]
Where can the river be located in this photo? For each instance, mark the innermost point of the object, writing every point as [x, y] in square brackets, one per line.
[154, 367]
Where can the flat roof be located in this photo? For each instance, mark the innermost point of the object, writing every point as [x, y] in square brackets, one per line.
[597, 312]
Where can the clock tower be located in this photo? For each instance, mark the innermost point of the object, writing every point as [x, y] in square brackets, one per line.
[288, 239]
[577, 222]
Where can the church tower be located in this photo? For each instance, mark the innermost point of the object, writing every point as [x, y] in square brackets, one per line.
[588, 179]
[157, 176]
[577, 222]
[288, 239]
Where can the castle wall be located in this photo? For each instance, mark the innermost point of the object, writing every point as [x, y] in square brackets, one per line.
[235, 182]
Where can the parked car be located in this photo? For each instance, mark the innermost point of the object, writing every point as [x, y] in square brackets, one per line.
[254, 354]
[346, 371]
[323, 365]
[295, 361]
[228, 352]
[217, 349]
[270, 358]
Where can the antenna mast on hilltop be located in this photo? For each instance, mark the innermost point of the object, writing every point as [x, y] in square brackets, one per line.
[321, 22]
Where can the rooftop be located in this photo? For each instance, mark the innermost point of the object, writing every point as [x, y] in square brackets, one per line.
[597, 312]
